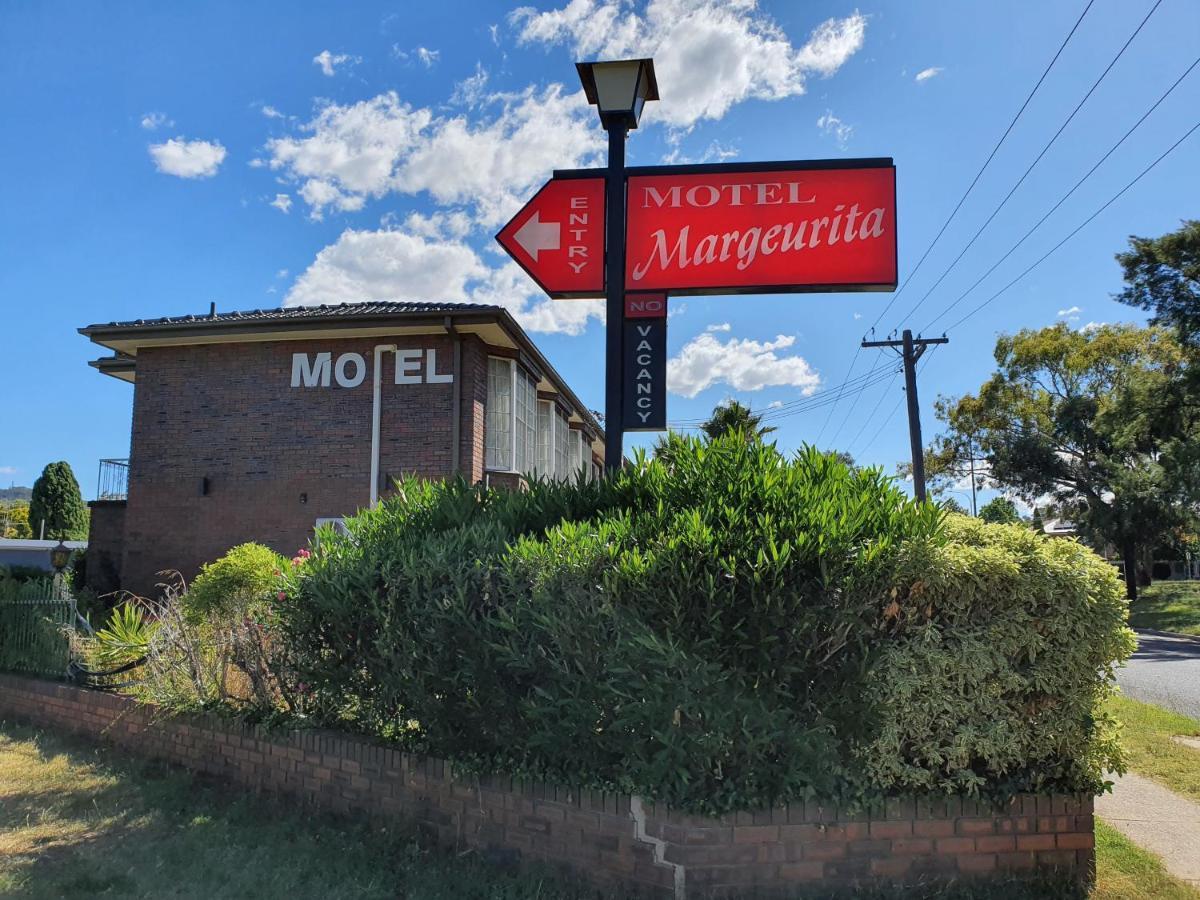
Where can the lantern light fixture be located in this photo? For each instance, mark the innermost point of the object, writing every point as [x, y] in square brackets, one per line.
[619, 89]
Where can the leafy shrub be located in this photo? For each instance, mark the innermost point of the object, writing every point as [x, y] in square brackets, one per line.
[216, 644]
[696, 630]
[126, 637]
[243, 579]
[1000, 650]
[720, 628]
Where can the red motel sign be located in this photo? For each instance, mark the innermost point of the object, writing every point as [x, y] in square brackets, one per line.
[558, 237]
[826, 226]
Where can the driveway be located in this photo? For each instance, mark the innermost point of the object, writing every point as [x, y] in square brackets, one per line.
[1164, 671]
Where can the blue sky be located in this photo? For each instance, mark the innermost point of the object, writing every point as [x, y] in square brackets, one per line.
[162, 156]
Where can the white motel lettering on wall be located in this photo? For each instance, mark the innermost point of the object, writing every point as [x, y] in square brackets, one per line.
[349, 370]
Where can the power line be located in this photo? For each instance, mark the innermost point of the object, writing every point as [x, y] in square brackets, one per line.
[895, 409]
[1069, 193]
[974, 181]
[987, 161]
[814, 401]
[1037, 159]
[911, 350]
[816, 395]
[871, 415]
[1079, 227]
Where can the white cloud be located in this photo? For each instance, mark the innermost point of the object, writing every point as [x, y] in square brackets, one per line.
[152, 121]
[8, 470]
[1070, 311]
[188, 159]
[857, 316]
[494, 31]
[744, 365]
[283, 203]
[714, 152]
[1092, 326]
[271, 112]
[381, 145]
[427, 57]
[400, 265]
[931, 72]
[775, 404]
[282, 273]
[834, 127]
[742, 53]
[328, 62]
[723, 326]
[470, 91]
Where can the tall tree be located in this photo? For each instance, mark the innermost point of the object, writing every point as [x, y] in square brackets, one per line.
[1074, 417]
[1162, 275]
[58, 503]
[1000, 511]
[733, 416]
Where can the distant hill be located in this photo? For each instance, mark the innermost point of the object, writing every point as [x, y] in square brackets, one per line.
[16, 493]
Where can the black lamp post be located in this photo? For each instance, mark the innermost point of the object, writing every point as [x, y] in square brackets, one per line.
[60, 556]
[618, 90]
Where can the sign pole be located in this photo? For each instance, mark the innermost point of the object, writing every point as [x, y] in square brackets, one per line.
[614, 261]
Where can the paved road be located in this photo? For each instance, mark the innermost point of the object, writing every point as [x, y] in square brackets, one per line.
[1164, 671]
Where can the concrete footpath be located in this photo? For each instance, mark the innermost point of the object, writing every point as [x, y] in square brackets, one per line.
[1157, 820]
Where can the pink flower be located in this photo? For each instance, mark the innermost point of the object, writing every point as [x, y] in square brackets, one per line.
[282, 595]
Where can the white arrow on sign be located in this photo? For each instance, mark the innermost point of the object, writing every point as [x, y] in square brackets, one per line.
[536, 235]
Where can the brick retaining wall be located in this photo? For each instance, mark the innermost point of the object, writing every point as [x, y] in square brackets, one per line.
[613, 840]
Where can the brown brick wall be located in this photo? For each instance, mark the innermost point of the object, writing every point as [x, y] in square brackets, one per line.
[275, 457]
[106, 542]
[610, 839]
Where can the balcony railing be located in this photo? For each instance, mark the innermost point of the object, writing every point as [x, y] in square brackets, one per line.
[113, 481]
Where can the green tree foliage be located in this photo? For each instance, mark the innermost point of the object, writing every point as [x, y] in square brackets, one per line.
[728, 629]
[1162, 275]
[732, 416]
[14, 519]
[234, 585]
[1000, 511]
[1078, 416]
[57, 501]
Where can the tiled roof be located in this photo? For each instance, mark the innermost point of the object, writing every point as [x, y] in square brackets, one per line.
[324, 311]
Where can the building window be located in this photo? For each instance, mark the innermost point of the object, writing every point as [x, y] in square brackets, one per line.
[525, 432]
[510, 444]
[562, 450]
[545, 439]
[498, 445]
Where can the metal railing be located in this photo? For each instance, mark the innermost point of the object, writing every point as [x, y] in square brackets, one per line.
[113, 480]
[36, 621]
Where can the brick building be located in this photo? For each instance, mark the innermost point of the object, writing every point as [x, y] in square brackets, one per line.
[256, 426]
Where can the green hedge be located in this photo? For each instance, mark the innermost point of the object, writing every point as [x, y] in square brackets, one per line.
[726, 630]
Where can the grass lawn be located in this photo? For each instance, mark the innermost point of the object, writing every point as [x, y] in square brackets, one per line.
[1124, 871]
[1149, 749]
[1168, 606]
[78, 822]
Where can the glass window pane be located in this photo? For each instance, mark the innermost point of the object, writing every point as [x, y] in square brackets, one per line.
[562, 453]
[498, 440]
[526, 422]
[545, 438]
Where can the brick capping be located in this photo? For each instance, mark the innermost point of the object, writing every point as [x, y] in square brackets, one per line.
[613, 840]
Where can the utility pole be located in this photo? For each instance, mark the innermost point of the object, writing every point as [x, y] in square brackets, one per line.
[911, 350]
